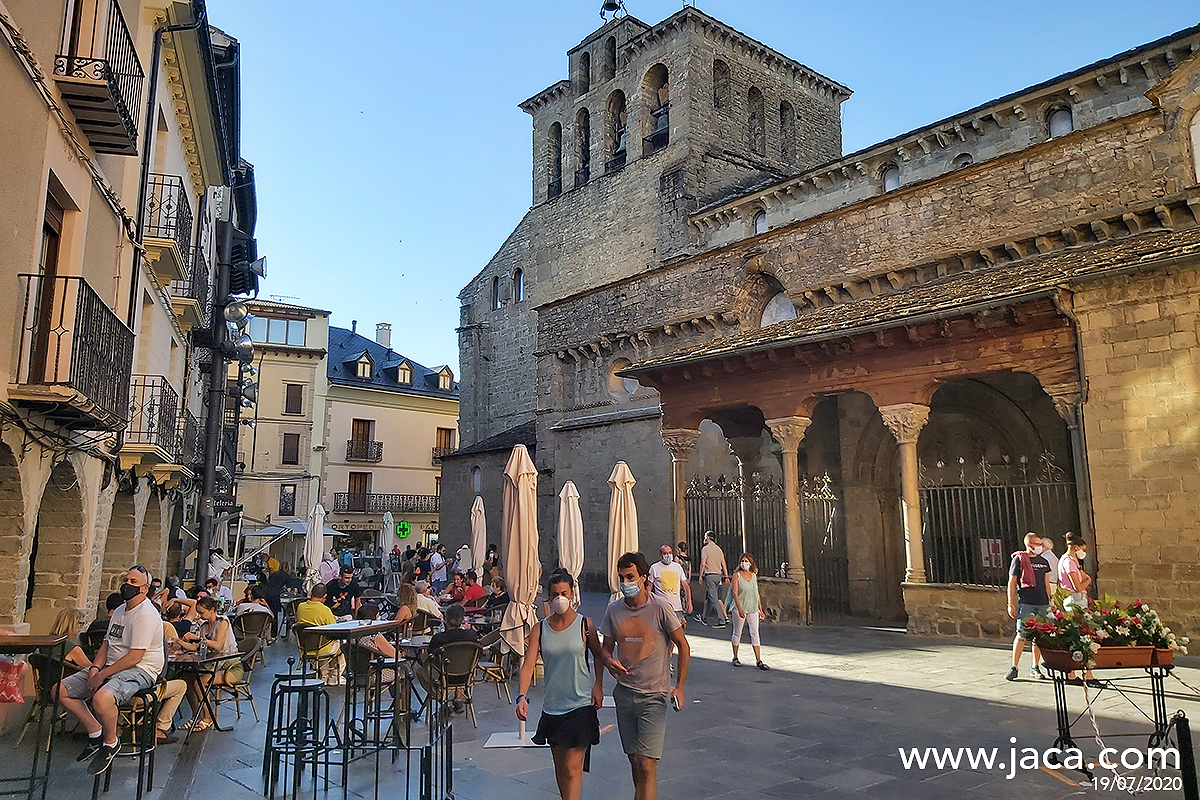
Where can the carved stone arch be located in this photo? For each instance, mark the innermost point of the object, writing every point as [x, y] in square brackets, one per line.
[750, 298]
[58, 552]
[14, 569]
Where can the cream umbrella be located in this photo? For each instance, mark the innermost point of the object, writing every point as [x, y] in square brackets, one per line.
[570, 532]
[519, 538]
[622, 522]
[478, 535]
[314, 544]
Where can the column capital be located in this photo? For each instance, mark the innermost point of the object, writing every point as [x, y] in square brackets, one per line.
[905, 420]
[789, 431]
[680, 441]
[1066, 398]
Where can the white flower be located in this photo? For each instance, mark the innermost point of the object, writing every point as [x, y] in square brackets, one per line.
[1076, 656]
[1094, 647]
[1101, 634]
[1121, 629]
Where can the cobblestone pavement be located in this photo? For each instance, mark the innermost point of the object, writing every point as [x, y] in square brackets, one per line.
[826, 721]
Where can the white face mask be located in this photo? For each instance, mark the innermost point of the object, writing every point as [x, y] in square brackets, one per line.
[559, 605]
[1037, 551]
[667, 558]
[746, 566]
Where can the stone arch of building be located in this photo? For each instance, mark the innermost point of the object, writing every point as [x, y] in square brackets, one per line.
[14, 572]
[152, 544]
[57, 555]
[656, 104]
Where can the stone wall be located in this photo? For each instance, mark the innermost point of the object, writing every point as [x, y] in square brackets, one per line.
[1142, 422]
[936, 609]
[780, 599]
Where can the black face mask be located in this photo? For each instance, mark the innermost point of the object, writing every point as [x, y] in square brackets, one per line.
[129, 591]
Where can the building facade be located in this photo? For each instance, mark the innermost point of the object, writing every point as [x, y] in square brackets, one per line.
[121, 144]
[981, 327]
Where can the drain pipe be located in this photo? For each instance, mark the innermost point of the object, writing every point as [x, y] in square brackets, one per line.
[147, 151]
[1083, 486]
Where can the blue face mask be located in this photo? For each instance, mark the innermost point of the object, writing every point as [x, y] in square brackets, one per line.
[630, 589]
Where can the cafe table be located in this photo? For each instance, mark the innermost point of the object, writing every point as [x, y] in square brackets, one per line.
[54, 648]
[191, 665]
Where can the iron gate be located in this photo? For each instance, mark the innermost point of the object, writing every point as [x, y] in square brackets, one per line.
[717, 505]
[976, 515]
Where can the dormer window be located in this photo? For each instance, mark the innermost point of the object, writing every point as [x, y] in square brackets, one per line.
[1060, 122]
[890, 177]
[363, 368]
[404, 373]
[445, 379]
[760, 222]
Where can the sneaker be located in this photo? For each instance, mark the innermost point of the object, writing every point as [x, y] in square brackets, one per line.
[763, 667]
[1012, 674]
[722, 624]
[103, 759]
[698, 618]
[1096, 684]
[90, 749]
[736, 663]
[1036, 673]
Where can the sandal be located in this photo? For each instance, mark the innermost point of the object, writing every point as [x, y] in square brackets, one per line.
[736, 663]
[197, 725]
[763, 666]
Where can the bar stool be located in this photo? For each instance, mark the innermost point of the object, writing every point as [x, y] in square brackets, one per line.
[139, 739]
[298, 729]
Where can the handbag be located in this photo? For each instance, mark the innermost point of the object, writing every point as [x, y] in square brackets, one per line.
[10, 681]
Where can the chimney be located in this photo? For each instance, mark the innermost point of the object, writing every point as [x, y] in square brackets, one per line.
[354, 326]
[383, 334]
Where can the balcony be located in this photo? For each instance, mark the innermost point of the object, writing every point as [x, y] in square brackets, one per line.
[75, 356]
[189, 297]
[438, 452]
[100, 77]
[346, 503]
[153, 432]
[167, 230]
[364, 450]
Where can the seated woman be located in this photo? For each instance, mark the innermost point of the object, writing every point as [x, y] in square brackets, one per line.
[377, 643]
[67, 623]
[217, 633]
[455, 591]
[407, 598]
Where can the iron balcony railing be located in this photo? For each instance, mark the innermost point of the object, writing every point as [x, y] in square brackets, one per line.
[364, 450]
[70, 338]
[153, 413]
[100, 49]
[196, 286]
[190, 434]
[438, 452]
[169, 212]
[345, 502]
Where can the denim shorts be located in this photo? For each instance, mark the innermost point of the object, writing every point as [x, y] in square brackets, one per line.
[1027, 610]
[124, 685]
[641, 721]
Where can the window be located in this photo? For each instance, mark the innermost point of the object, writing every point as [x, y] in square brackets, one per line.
[445, 380]
[963, 160]
[756, 123]
[778, 309]
[363, 367]
[287, 500]
[437, 485]
[656, 99]
[48, 269]
[585, 72]
[787, 131]
[554, 162]
[583, 147]
[291, 449]
[610, 59]
[615, 132]
[476, 480]
[358, 485]
[518, 286]
[1060, 121]
[295, 332]
[404, 373]
[890, 176]
[444, 439]
[293, 402]
[258, 328]
[720, 85]
[277, 331]
[620, 387]
[760, 222]
[495, 303]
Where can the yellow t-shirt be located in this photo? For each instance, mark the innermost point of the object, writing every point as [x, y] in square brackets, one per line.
[314, 612]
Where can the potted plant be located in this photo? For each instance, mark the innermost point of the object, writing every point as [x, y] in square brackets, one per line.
[1106, 633]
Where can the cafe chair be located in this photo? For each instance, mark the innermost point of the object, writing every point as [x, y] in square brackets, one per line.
[454, 669]
[310, 659]
[251, 650]
[90, 641]
[422, 623]
[47, 672]
[491, 664]
[138, 739]
[253, 624]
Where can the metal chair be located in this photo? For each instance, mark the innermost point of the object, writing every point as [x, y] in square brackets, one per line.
[310, 645]
[454, 668]
[47, 672]
[253, 624]
[251, 650]
[491, 665]
[139, 739]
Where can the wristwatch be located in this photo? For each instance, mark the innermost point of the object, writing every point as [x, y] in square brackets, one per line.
[519, 698]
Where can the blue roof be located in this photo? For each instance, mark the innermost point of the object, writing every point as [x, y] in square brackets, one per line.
[346, 348]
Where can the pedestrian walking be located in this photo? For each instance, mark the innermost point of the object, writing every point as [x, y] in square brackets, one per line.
[1028, 594]
[641, 628]
[713, 572]
[1075, 581]
[684, 559]
[572, 694]
[668, 580]
[744, 588]
[1052, 560]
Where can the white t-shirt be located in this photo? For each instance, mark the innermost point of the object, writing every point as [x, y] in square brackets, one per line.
[429, 606]
[140, 628]
[667, 580]
[1052, 560]
[437, 565]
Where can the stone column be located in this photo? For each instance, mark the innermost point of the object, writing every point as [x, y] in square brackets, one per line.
[789, 432]
[1068, 402]
[680, 442]
[745, 450]
[905, 421]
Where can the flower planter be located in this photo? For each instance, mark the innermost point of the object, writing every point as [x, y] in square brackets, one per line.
[1111, 658]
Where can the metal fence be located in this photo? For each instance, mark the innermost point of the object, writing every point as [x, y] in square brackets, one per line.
[168, 211]
[363, 450]
[101, 48]
[153, 413]
[378, 503]
[975, 516]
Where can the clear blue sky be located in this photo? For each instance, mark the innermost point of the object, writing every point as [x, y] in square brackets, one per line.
[392, 160]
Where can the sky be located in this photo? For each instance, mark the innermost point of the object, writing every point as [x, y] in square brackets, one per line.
[391, 159]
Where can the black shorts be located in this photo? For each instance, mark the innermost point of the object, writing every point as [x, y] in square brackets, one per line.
[578, 728]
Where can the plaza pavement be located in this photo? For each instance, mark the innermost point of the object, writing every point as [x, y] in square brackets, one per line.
[826, 721]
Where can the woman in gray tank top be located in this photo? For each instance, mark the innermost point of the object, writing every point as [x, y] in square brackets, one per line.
[571, 695]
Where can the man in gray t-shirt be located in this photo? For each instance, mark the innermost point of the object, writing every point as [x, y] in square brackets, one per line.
[640, 626]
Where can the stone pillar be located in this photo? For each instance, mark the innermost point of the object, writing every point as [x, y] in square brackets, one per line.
[905, 421]
[1068, 402]
[789, 432]
[745, 450]
[680, 442]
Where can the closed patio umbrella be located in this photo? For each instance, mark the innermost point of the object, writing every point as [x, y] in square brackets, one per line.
[314, 544]
[570, 532]
[478, 535]
[519, 538]
[622, 522]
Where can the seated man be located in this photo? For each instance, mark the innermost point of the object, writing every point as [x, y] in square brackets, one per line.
[130, 660]
[313, 611]
[425, 601]
[454, 632]
[473, 597]
[343, 594]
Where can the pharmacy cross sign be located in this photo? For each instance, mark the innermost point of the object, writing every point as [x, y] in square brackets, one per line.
[403, 529]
